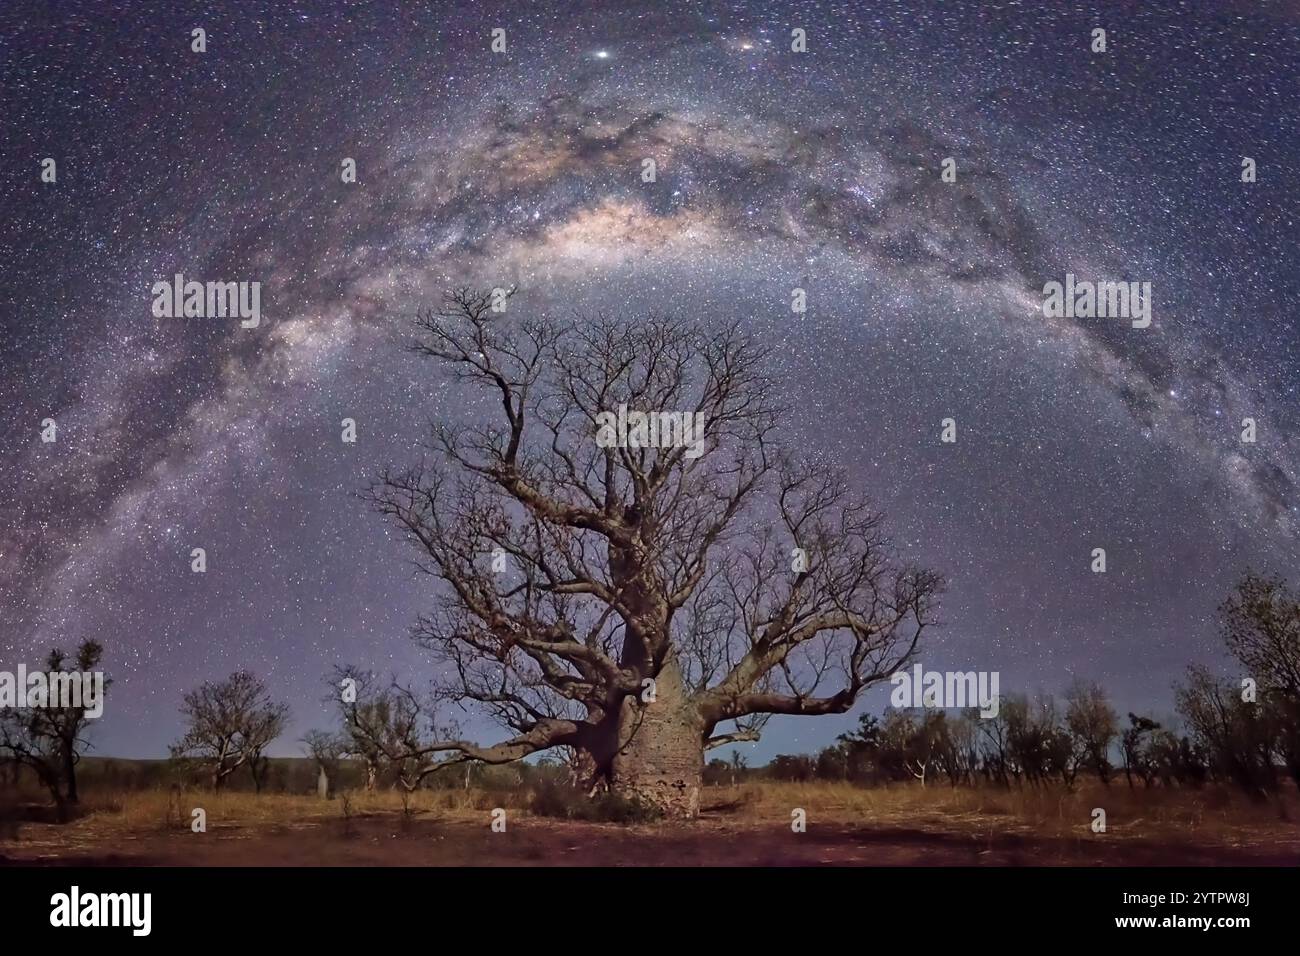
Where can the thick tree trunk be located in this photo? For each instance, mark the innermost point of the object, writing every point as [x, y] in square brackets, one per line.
[660, 758]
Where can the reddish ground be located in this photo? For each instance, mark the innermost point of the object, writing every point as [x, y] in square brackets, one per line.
[530, 841]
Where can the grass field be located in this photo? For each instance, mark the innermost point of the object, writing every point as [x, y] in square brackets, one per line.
[750, 824]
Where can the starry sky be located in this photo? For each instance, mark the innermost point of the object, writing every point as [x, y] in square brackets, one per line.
[776, 170]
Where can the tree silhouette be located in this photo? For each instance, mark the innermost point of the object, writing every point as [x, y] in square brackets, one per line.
[49, 739]
[229, 724]
[638, 604]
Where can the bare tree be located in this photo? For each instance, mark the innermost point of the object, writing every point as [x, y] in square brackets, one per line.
[1261, 625]
[49, 739]
[915, 741]
[363, 714]
[1239, 738]
[655, 601]
[390, 727]
[961, 753]
[230, 724]
[1136, 748]
[1038, 748]
[738, 765]
[995, 747]
[1092, 725]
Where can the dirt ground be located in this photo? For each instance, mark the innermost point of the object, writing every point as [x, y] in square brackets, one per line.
[887, 832]
[551, 843]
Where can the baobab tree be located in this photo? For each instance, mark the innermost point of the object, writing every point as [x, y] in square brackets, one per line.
[640, 600]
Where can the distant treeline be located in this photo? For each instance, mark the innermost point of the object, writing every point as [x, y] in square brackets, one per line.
[1243, 730]
[292, 775]
[1040, 740]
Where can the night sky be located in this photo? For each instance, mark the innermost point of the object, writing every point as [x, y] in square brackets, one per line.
[776, 170]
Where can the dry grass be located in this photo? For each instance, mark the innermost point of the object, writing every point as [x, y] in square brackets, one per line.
[173, 809]
[745, 825]
[1211, 815]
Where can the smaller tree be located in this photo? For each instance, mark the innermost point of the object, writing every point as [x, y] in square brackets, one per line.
[916, 740]
[833, 762]
[1137, 750]
[1239, 738]
[960, 757]
[1092, 726]
[326, 751]
[391, 726]
[1260, 623]
[1174, 759]
[995, 748]
[862, 749]
[230, 724]
[50, 739]
[738, 765]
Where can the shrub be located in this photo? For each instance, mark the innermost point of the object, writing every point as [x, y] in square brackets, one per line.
[552, 798]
